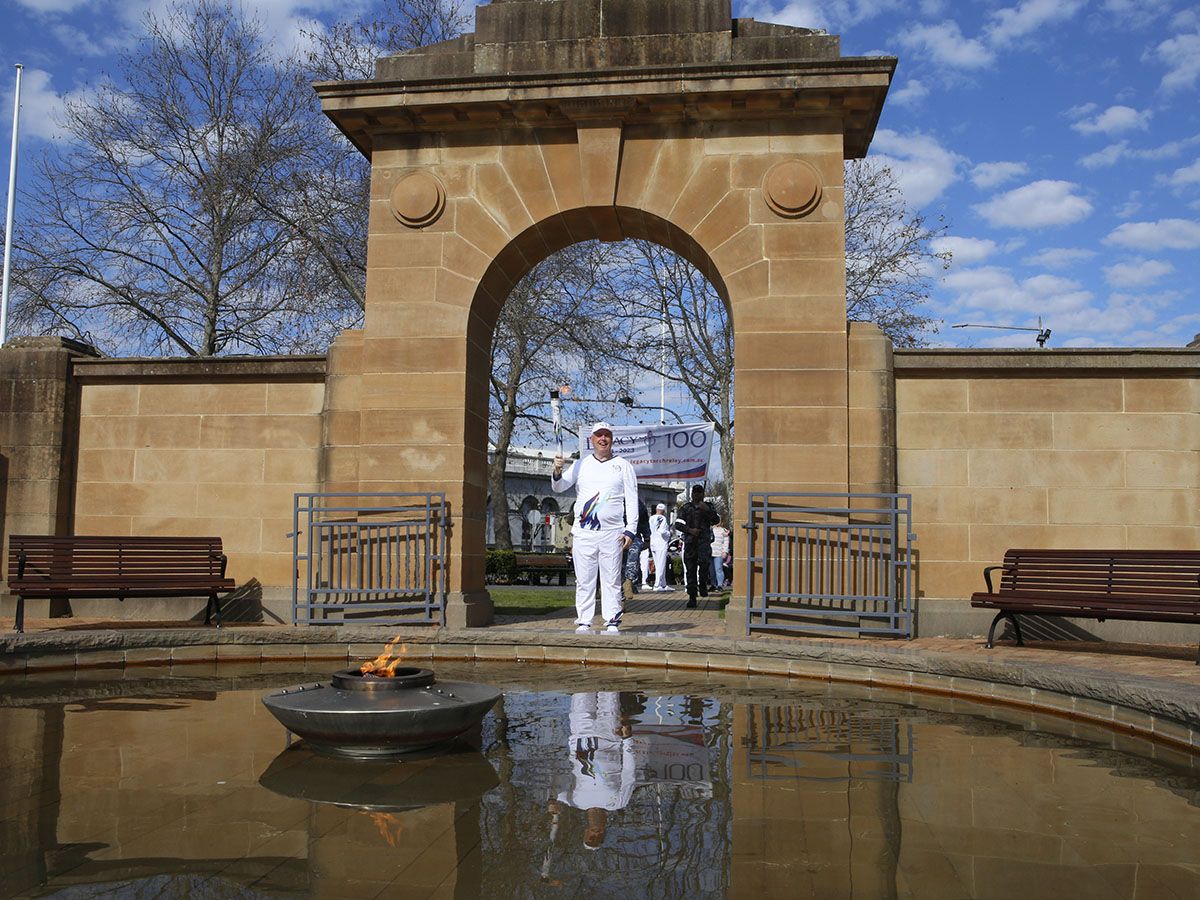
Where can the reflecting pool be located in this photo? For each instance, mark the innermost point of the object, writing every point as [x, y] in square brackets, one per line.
[583, 782]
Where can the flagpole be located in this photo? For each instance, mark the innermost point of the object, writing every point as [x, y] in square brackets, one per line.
[8, 216]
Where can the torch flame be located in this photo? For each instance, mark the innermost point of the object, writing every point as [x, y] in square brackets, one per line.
[391, 829]
[386, 663]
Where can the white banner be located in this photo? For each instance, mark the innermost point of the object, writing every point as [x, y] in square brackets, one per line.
[661, 452]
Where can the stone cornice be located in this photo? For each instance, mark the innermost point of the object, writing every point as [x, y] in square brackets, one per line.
[243, 368]
[852, 89]
[1081, 361]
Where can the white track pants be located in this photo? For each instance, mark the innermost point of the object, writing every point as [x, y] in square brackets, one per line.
[660, 564]
[644, 562]
[597, 553]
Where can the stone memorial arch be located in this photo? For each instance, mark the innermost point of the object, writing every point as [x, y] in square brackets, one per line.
[560, 121]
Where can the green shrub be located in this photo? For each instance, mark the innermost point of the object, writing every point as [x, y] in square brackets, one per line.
[501, 566]
[677, 569]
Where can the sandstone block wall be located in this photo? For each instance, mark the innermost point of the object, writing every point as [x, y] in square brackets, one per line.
[199, 448]
[1070, 449]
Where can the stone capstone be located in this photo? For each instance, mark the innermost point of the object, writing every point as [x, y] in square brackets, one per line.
[513, 36]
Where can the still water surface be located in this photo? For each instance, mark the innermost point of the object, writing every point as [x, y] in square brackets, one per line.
[584, 783]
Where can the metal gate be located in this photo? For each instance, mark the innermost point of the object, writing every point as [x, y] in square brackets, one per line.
[830, 562]
[788, 743]
[377, 558]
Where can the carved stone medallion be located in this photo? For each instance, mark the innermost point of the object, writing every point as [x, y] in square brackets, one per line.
[792, 188]
[418, 199]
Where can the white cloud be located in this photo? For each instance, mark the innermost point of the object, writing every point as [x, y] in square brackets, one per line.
[1109, 156]
[1036, 205]
[1137, 13]
[52, 6]
[1187, 175]
[923, 167]
[1137, 273]
[1114, 153]
[1181, 55]
[912, 92]
[947, 45]
[965, 251]
[1114, 120]
[828, 14]
[41, 105]
[1017, 21]
[1165, 234]
[987, 175]
[1059, 257]
[992, 295]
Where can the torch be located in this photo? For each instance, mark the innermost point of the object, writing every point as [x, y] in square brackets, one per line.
[556, 414]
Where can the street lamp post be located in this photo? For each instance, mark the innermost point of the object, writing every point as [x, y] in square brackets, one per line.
[630, 403]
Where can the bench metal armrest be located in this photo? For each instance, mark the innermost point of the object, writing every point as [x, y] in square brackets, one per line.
[224, 561]
[987, 576]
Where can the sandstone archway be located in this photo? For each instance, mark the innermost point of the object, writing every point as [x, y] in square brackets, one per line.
[566, 120]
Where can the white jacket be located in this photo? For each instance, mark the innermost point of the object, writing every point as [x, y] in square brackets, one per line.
[660, 531]
[606, 497]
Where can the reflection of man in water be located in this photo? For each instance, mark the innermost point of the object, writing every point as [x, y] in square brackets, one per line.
[603, 769]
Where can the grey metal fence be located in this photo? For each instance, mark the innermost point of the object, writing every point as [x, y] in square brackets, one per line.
[825, 562]
[815, 744]
[379, 558]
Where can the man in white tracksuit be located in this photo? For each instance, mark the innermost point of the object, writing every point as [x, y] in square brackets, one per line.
[660, 537]
[606, 508]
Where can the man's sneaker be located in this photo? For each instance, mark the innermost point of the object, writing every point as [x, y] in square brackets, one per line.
[647, 587]
[584, 629]
[612, 629]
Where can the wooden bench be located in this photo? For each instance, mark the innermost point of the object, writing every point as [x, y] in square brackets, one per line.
[1142, 585]
[122, 566]
[534, 565]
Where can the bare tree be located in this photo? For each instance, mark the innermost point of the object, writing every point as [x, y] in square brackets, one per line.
[323, 197]
[144, 234]
[676, 326]
[553, 314]
[890, 260]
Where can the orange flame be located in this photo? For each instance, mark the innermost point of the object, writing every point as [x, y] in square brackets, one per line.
[391, 829]
[386, 663]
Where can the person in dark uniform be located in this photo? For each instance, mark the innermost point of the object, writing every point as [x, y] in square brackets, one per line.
[697, 519]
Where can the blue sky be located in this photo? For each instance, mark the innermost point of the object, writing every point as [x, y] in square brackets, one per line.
[1059, 139]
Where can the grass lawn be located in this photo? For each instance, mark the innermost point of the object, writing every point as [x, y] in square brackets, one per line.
[522, 601]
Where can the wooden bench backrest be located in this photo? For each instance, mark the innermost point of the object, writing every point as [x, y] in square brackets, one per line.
[1148, 574]
[106, 557]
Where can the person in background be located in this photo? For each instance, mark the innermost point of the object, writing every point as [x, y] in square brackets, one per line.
[720, 553]
[633, 556]
[605, 499]
[697, 519]
[660, 538]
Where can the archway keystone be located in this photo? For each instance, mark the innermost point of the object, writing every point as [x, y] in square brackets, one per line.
[559, 121]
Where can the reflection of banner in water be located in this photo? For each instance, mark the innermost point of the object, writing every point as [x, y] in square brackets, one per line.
[785, 739]
[672, 754]
[661, 452]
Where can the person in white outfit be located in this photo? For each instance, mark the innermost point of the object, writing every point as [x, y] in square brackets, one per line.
[720, 550]
[606, 504]
[603, 768]
[660, 537]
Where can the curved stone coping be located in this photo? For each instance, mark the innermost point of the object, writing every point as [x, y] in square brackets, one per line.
[1151, 707]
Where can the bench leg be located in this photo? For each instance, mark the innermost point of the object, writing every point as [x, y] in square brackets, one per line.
[1004, 614]
[19, 626]
[214, 603]
[1017, 629]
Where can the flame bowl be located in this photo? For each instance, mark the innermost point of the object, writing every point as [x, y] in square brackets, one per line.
[369, 717]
